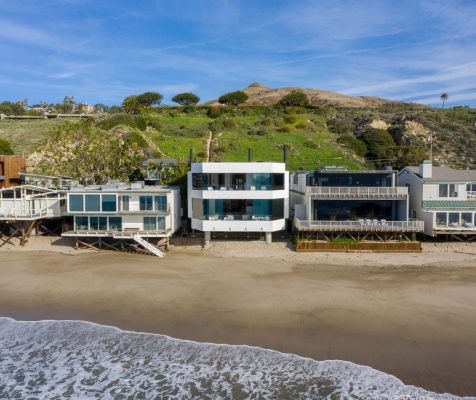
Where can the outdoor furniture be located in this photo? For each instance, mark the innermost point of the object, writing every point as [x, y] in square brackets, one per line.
[253, 188]
[468, 225]
[454, 225]
[210, 188]
[222, 188]
[263, 187]
[383, 222]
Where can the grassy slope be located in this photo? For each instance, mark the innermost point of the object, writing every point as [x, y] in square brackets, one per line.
[26, 136]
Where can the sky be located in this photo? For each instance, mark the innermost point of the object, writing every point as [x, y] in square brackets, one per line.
[100, 51]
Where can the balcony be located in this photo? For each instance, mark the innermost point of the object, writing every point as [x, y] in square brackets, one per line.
[471, 195]
[363, 225]
[357, 192]
[238, 187]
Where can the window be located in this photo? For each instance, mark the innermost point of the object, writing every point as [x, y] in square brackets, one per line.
[145, 203]
[466, 218]
[160, 203]
[81, 223]
[150, 223]
[109, 203]
[441, 219]
[125, 203]
[295, 179]
[453, 219]
[115, 223]
[453, 192]
[443, 190]
[98, 223]
[76, 202]
[161, 223]
[93, 202]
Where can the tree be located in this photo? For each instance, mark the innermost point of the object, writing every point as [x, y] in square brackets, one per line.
[5, 147]
[444, 98]
[10, 108]
[380, 146]
[233, 98]
[149, 99]
[67, 106]
[90, 154]
[296, 98]
[131, 105]
[186, 99]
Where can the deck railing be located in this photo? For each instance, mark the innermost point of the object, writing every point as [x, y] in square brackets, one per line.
[357, 192]
[363, 225]
[471, 195]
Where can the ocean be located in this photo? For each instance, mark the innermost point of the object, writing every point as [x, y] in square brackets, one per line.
[82, 360]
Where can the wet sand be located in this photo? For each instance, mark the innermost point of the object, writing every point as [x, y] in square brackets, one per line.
[416, 322]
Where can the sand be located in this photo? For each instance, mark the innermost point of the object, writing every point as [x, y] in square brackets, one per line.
[410, 315]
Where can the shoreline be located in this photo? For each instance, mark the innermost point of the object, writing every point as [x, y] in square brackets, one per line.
[415, 322]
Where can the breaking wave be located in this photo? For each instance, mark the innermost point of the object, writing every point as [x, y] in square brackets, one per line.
[81, 360]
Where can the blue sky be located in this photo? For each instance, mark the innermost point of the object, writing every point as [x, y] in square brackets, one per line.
[104, 50]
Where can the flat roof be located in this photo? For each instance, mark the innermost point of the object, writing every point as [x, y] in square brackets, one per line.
[447, 174]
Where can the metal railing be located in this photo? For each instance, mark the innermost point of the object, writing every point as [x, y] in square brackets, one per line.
[239, 217]
[471, 195]
[17, 214]
[357, 192]
[363, 225]
[238, 187]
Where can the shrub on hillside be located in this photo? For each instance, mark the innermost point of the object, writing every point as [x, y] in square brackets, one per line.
[5, 147]
[233, 98]
[134, 121]
[215, 112]
[186, 99]
[296, 98]
[354, 144]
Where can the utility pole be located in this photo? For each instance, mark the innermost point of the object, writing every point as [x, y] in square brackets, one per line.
[431, 145]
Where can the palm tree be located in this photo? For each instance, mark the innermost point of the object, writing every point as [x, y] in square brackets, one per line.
[444, 98]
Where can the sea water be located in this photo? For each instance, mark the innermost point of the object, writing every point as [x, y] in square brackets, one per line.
[82, 360]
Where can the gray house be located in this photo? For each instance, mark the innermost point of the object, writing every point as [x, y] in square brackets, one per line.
[443, 197]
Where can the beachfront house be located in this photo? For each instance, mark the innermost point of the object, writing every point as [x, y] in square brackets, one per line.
[443, 197]
[333, 201]
[238, 197]
[123, 211]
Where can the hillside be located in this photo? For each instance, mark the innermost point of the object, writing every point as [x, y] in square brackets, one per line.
[340, 131]
[261, 95]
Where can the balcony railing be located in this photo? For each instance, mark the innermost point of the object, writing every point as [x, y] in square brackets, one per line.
[363, 225]
[239, 217]
[356, 192]
[471, 195]
[238, 187]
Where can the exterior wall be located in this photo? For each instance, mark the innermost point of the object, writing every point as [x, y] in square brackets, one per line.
[249, 193]
[10, 169]
[133, 217]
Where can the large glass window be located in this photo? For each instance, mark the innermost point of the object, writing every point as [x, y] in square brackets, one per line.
[81, 223]
[161, 223]
[453, 219]
[262, 180]
[262, 208]
[109, 203]
[443, 190]
[98, 223]
[125, 203]
[441, 219]
[93, 202]
[76, 202]
[200, 181]
[160, 203]
[352, 210]
[115, 223]
[145, 203]
[150, 223]
[466, 218]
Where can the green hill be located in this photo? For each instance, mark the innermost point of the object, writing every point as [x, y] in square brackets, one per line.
[334, 130]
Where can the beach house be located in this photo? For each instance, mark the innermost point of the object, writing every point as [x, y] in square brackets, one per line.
[443, 197]
[332, 201]
[105, 214]
[238, 197]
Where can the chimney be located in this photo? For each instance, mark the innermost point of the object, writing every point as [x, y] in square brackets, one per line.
[249, 154]
[426, 169]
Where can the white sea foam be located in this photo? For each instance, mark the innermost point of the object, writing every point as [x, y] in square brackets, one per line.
[81, 360]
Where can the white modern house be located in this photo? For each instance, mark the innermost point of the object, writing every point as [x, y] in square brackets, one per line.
[443, 197]
[333, 201]
[124, 211]
[238, 197]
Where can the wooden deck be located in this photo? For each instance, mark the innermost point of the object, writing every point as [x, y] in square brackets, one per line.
[126, 234]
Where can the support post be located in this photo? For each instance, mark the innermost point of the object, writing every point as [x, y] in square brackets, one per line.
[207, 238]
[269, 237]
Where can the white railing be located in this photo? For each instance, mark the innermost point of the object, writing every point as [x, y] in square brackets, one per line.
[18, 214]
[357, 191]
[363, 225]
[471, 195]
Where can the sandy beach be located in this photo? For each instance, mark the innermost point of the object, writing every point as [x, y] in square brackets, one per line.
[411, 315]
